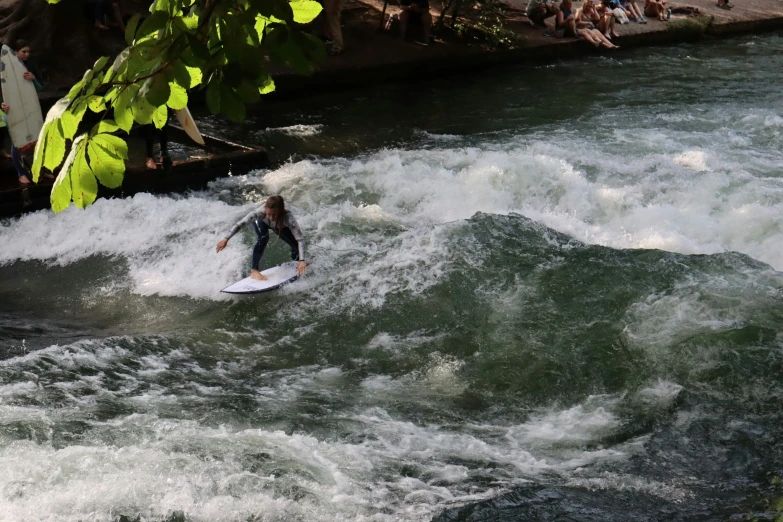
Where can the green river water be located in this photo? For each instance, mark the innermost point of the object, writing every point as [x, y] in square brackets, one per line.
[537, 294]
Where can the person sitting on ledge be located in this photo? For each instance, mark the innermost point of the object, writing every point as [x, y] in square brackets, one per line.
[656, 8]
[602, 18]
[538, 11]
[418, 10]
[579, 26]
[632, 11]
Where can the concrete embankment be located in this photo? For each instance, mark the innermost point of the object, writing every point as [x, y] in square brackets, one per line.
[374, 56]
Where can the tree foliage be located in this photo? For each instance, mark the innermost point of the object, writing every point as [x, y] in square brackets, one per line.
[220, 46]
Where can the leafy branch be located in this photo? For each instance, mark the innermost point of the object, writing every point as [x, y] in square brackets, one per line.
[220, 46]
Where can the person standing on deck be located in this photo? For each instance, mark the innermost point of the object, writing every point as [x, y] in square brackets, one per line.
[271, 215]
[333, 24]
[22, 50]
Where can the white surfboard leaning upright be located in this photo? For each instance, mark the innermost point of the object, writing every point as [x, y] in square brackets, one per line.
[186, 120]
[24, 119]
[277, 276]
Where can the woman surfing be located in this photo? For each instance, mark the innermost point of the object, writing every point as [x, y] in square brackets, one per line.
[271, 215]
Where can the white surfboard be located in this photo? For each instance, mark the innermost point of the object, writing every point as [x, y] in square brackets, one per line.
[186, 120]
[24, 119]
[277, 276]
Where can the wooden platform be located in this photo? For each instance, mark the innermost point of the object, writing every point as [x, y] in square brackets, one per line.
[193, 168]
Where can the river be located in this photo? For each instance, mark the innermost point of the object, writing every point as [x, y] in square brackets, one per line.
[539, 293]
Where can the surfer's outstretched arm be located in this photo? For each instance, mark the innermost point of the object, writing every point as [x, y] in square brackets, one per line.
[245, 220]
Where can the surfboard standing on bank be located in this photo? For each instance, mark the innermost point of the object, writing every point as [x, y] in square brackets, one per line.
[189, 125]
[271, 215]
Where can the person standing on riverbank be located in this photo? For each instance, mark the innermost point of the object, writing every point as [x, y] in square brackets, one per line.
[333, 28]
[271, 215]
[418, 10]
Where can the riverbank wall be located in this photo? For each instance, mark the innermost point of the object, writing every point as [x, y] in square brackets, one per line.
[373, 56]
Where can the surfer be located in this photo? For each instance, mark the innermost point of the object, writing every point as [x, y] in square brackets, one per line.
[271, 215]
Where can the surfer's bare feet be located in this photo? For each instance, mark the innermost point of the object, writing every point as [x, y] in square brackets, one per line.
[151, 164]
[24, 181]
[255, 274]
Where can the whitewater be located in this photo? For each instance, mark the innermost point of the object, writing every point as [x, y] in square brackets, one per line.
[570, 295]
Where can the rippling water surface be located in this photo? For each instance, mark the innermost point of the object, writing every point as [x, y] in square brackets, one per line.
[539, 294]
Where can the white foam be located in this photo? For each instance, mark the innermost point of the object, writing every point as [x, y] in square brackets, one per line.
[395, 207]
[298, 131]
[147, 465]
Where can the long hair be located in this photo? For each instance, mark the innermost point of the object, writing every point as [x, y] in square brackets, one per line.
[277, 205]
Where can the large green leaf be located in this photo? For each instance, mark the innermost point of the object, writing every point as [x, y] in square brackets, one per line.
[69, 124]
[113, 144]
[108, 168]
[123, 114]
[156, 90]
[84, 186]
[230, 104]
[305, 11]
[178, 98]
[105, 126]
[213, 95]
[152, 24]
[143, 110]
[196, 77]
[55, 146]
[267, 85]
[130, 28]
[160, 117]
[62, 190]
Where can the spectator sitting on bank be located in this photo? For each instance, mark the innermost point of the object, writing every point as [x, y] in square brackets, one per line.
[588, 32]
[538, 11]
[632, 11]
[602, 18]
[579, 26]
[620, 14]
[724, 4]
[415, 10]
[656, 8]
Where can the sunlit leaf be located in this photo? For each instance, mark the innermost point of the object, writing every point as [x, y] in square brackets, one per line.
[160, 117]
[84, 186]
[62, 192]
[108, 168]
[178, 97]
[55, 146]
[130, 28]
[113, 144]
[305, 11]
[105, 126]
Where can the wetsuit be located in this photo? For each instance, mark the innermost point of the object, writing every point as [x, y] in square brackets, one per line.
[288, 231]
